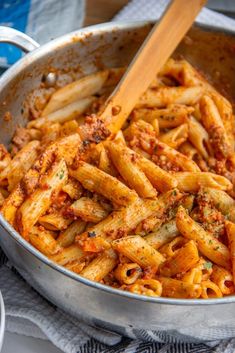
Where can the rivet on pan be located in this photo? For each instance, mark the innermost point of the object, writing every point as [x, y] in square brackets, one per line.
[49, 79]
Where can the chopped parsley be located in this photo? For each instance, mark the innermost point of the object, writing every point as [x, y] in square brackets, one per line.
[207, 265]
[210, 242]
[60, 175]
[91, 234]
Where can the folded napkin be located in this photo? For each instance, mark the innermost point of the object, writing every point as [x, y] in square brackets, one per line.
[30, 314]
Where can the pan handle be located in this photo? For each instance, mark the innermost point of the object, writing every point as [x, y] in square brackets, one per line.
[19, 39]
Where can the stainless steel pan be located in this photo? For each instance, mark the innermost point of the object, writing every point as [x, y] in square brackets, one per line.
[73, 55]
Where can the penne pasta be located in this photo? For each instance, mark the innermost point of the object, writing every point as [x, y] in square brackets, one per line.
[69, 255]
[163, 235]
[69, 112]
[135, 248]
[88, 210]
[164, 96]
[175, 137]
[98, 181]
[128, 273]
[19, 165]
[215, 127]
[208, 245]
[144, 203]
[192, 181]
[100, 266]
[54, 221]
[77, 90]
[223, 279]
[125, 163]
[124, 220]
[67, 237]
[172, 116]
[230, 230]
[38, 203]
[149, 287]
[210, 290]
[179, 289]
[44, 241]
[222, 201]
[198, 137]
[184, 259]
[12, 203]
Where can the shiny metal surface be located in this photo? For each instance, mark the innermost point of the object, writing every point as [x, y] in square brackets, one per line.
[2, 321]
[79, 53]
[19, 39]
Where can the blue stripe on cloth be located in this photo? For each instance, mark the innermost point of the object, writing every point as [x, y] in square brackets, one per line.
[13, 13]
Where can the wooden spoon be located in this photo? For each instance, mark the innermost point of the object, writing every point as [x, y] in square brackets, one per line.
[154, 52]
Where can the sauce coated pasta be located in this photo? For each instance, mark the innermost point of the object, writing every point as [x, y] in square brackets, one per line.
[148, 209]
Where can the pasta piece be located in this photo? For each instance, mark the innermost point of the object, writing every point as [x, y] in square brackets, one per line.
[123, 160]
[138, 250]
[172, 116]
[222, 201]
[155, 125]
[175, 137]
[96, 180]
[215, 128]
[54, 221]
[2, 199]
[38, 203]
[185, 259]
[191, 182]
[69, 255]
[66, 147]
[73, 188]
[67, 237]
[199, 137]
[223, 279]
[82, 88]
[75, 266]
[50, 133]
[105, 163]
[88, 210]
[230, 229]
[124, 220]
[19, 165]
[161, 236]
[160, 179]
[210, 290]
[164, 96]
[44, 241]
[179, 289]
[100, 266]
[194, 275]
[208, 245]
[171, 249]
[149, 287]
[69, 127]
[119, 138]
[69, 112]
[175, 157]
[226, 113]
[188, 150]
[206, 268]
[12, 203]
[128, 273]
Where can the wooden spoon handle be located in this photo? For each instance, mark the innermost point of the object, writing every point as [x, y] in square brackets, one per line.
[154, 52]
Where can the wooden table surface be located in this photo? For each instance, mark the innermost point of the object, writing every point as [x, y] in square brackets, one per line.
[98, 11]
